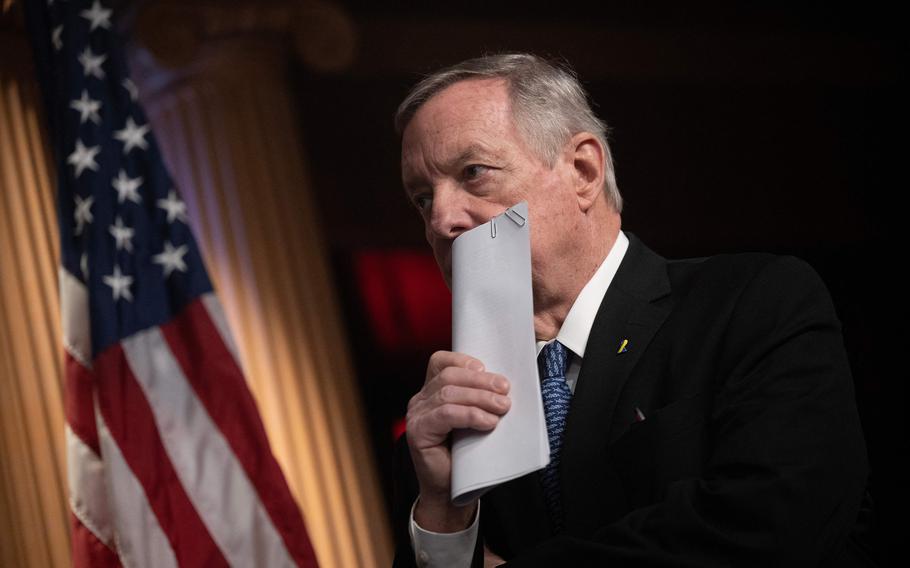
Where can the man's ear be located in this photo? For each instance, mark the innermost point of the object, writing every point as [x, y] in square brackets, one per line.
[587, 155]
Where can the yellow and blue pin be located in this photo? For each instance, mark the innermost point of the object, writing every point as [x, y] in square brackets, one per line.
[623, 347]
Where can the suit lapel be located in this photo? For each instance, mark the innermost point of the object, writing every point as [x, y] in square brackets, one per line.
[628, 312]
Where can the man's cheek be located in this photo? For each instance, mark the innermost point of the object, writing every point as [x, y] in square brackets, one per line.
[445, 268]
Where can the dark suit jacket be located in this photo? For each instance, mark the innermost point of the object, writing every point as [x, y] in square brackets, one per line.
[751, 453]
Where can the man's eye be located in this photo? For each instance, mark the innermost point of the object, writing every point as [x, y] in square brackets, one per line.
[422, 202]
[474, 170]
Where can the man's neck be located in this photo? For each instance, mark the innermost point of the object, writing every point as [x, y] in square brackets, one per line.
[553, 301]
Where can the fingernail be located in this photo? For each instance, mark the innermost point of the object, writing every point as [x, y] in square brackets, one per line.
[475, 365]
[502, 401]
[500, 384]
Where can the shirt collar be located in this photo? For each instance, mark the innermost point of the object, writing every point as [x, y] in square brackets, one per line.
[577, 326]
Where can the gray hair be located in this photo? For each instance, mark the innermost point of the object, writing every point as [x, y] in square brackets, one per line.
[549, 104]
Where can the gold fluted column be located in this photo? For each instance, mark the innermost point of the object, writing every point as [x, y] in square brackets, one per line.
[33, 508]
[226, 123]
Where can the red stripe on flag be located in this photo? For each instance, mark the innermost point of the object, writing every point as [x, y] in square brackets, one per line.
[78, 403]
[130, 420]
[88, 551]
[218, 382]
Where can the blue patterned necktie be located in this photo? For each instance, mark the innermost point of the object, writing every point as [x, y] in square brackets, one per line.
[556, 397]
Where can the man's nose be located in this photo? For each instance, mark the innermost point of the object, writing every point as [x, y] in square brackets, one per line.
[450, 215]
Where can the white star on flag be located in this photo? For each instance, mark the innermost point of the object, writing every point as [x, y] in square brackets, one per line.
[91, 63]
[98, 16]
[83, 158]
[132, 135]
[83, 265]
[122, 234]
[83, 213]
[57, 37]
[175, 208]
[171, 258]
[131, 89]
[120, 284]
[88, 108]
[127, 187]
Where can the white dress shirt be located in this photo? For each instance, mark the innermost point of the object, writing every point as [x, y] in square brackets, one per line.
[433, 549]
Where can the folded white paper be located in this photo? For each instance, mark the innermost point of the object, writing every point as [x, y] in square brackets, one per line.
[493, 321]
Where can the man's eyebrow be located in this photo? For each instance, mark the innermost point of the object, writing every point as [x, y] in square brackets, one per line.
[413, 184]
[410, 176]
[472, 152]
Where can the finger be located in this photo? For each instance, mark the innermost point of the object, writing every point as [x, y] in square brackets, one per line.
[466, 396]
[469, 378]
[437, 424]
[461, 386]
[442, 359]
[490, 383]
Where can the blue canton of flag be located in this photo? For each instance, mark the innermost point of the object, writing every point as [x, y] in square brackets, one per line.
[123, 225]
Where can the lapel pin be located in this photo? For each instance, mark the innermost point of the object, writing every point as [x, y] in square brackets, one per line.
[639, 415]
[623, 347]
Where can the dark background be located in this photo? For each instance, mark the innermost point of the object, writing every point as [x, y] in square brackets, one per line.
[771, 127]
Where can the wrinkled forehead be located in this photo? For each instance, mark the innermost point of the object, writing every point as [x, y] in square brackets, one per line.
[466, 99]
[465, 94]
[470, 113]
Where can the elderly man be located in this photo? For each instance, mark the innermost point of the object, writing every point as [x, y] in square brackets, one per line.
[710, 414]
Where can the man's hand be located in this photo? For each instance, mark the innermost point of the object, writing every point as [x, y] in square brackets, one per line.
[458, 393]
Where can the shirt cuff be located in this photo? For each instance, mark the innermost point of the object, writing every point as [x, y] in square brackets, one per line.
[432, 549]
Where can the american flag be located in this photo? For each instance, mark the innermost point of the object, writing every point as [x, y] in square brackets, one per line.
[168, 461]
